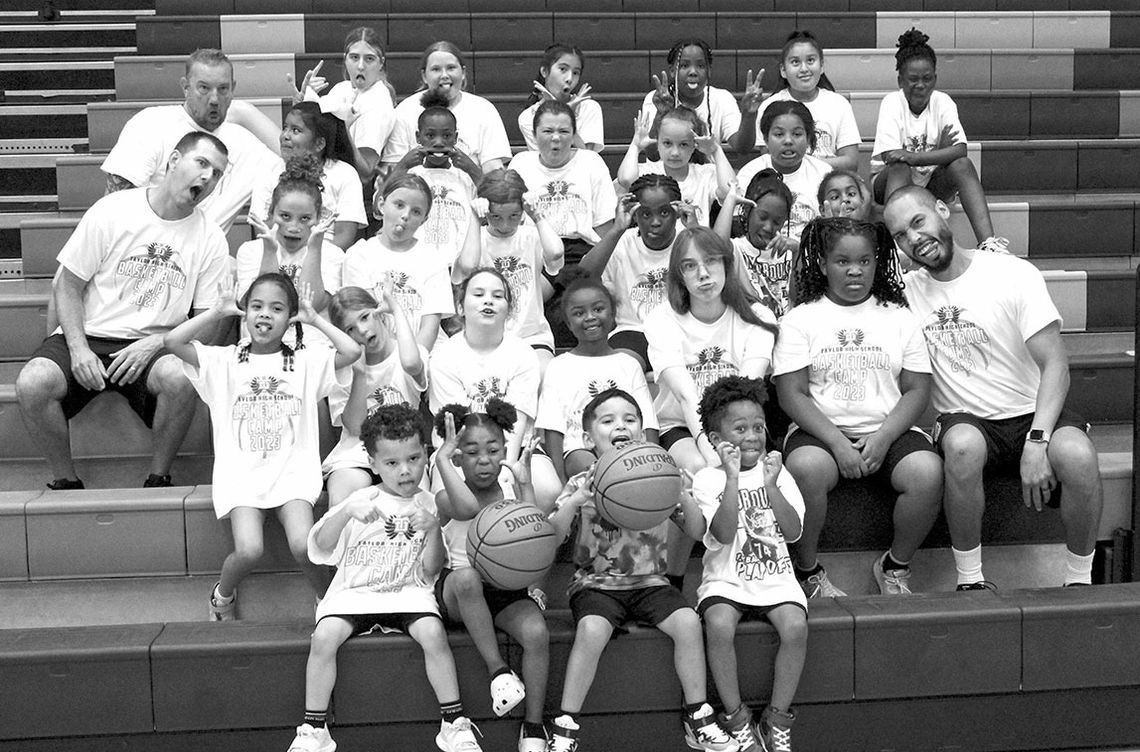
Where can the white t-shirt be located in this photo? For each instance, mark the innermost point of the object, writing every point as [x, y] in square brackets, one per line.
[388, 384]
[446, 225]
[370, 114]
[755, 569]
[143, 273]
[422, 282]
[803, 183]
[266, 448]
[520, 260]
[574, 198]
[727, 347]
[976, 327]
[341, 194]
[481, 133]
[573, 380]
[718, 110]
[698, 187]
[899, 128]
[854, 356]
[835, 124]
[635, 274]
[587, 118]
[768, 271]
[147, 140]
[378, 564]
[461, 376]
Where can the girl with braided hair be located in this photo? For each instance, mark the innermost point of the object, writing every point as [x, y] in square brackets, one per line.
[852, 371]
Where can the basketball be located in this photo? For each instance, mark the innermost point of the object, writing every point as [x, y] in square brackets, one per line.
[636, 486]
[511, 544]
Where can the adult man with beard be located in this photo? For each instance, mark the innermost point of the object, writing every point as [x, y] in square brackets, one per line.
[1001, 376]
[138, 261]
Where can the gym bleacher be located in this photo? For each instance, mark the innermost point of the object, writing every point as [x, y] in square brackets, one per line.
[103, 638]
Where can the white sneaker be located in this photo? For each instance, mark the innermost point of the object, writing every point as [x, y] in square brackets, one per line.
[565, 735]
[458, 736]
[507, 691]
[703, 732]
[309, 739]
[222, 611]
[891, 581]
[818, 586]
[531, 743]
[994, 244]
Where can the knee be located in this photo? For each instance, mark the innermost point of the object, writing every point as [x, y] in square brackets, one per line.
[249, 551]
[325, 642]
[300, 550]
[169, 380]
[721, 627]
[1075, 461]
[686, 623]
[963, 453]
[533, 634]
[430, 631]
[466, 583]
[898, 171]
[39, 380]
[795, 632]
[923, 477]
[962, 167]
[594, 630]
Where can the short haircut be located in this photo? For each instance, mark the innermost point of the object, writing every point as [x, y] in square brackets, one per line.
[393, 423]
[590, 411]
[190, 142]
[209, 57]
[722, 393]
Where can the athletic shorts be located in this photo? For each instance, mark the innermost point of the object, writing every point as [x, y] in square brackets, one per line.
[543, 347]
[362, 624]
[908, 443]
[673, 435]
[747, 612]
[54, 348]
[649, 606]
[634, 341]
[497, 598]
[1005, 438]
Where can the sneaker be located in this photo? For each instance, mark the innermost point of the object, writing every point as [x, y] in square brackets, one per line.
[222, 611]
[531, 743]
[66, 484]
[892, 581]
[703, 732]
[740, 726]
[565, 736]
[994, 244]
[818, 586]
[776, 730]
[309, 739]
[458, 736]
[979, 585]
[157, 481]
[507, 691]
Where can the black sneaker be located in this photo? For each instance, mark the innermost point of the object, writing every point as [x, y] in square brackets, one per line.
[979, 585]
[66, 484]
[157, 481]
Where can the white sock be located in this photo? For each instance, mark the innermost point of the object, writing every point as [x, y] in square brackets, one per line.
[1078, 569]
[223, 600]
[969, 565]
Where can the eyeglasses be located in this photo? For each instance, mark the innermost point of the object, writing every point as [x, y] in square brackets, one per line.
[690, 268]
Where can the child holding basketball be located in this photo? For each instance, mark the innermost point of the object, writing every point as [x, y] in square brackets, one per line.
[471, 467]
[385, 542]
[752, 507]
[620, 578]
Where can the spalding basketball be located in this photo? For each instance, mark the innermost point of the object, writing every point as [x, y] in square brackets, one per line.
[511, 544]
[636, 486]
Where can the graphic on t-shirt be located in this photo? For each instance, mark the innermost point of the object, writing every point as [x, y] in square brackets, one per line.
[963, 343]
[802, 212]
[385, 395]
[263, 416]
[407, 296]
[648, 292]
[710, 367]
[770, 278]
[518, 273]
[388, 560]
[445, 214]
[558, 205]
[149, 277]
[848, 364]
[824, 143]
[574, 407]
[759, 555]
[483, 391]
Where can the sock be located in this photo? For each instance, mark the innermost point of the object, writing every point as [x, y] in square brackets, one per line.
[969, 565]
[220, 599]
[803, 574]
[891, 562]
[691, 708]
[317, 718]
[1078, 569]
[533, 730]
[451, 711]
[676, 580]
[500, 672]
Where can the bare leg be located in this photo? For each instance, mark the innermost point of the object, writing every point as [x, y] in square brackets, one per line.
[525, 624]
[720, 624]
[964, 457]
[40, 388]
[684, 626]
[964, 176]
[918, 479]
[249, 545]
[1075, 464]
[320, 671]
[438, 660]
[679, 547]
[297, 518]
[791, 624]
[175, 411]
[591, 638]
[463, 596]
[343, 482]
[816, 473]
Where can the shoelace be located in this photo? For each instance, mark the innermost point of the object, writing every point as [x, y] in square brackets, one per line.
[781, 739]
[892, 578]
[465, 732]
[559, 743]
[745, 737]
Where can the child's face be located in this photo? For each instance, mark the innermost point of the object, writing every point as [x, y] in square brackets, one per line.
[403, 211]
[656, 218]
[843, 198]
[787, 142]
[702, 273]
[589, 314]
[482, 451]
[555, 138]
[363, 63]
[918, 79]
[743, 426]
[850, 269]
[444, 73]
[675, 142]
[802, 67]
[267, 314]
[297, 139]
[616, 423]
[766, 219]
[503, 219]
[294, 214]
[485, 301]
[400, 464]
[438, 137]
[562, 78]
[692, 71]
[367, 329]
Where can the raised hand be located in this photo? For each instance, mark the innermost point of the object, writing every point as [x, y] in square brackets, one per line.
[267, 234]
[627, 206]
[306, 314]
[226, 303]
[706, 145]
[662, 95]
[582, 95]
[686, 212]
[642, 124]
[451, 437]
[311, 81]
[753, 92]
[729, 458]
[773, 463]
[520, 468]
[323, 225]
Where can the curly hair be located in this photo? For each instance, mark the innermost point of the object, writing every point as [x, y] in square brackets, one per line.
[913, 45]
[393, 423]
[581, 280]
[302, 174]
[498, 416]
[819, 238]
[722, 393]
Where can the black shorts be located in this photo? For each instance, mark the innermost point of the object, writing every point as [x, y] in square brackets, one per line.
[543, 347]
[908, 443]
[497, 598]
[54, 348]
[634, 341]
[747, 612]
[1005, 438]
[364, 623]
[673, 435]
[649, 606]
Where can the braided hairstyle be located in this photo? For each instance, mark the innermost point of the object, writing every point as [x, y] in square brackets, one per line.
[913, 45]
[767, 181]
[288, 354]
[674, 54]
[655, 180]
[808, 280]
[499, 416]
[803, 36]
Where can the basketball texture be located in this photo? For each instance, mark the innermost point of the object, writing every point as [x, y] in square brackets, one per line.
[636, 486]
[511, 544]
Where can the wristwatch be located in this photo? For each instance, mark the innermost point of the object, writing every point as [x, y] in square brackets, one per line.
[1037, 436]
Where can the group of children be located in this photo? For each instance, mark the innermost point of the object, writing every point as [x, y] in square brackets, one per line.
[454, 308]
